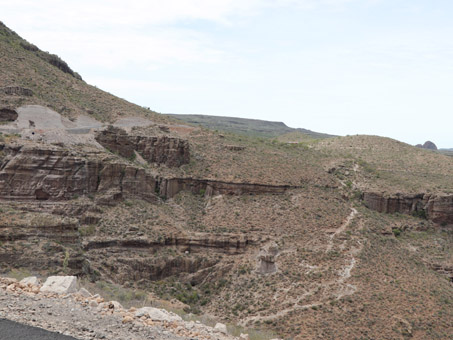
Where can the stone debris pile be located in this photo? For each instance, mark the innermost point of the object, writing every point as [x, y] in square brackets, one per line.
[59, 305]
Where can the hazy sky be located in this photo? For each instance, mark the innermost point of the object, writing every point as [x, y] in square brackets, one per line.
[382, 67]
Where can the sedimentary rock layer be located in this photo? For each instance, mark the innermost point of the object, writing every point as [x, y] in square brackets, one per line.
[46, 173]
[437, 208]
[56, 174]
[169, 187]
[225, 243]
[170, 151]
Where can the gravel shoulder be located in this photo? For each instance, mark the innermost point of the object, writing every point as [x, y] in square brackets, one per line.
[77, 316]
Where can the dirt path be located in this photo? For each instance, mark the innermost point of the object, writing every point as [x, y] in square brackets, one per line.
[341, 229]
[338, 287]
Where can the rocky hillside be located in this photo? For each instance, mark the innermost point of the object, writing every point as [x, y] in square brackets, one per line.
[61, 306]
[31, 76]
[346, 237]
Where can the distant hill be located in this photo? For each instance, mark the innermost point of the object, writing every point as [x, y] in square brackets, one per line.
[448, 152]
[253, 127]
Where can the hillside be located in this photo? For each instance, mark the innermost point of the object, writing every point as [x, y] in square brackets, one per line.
[342, 237]
[54, 84]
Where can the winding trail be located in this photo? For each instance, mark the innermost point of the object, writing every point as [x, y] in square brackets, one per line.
[341, 229]
[338, 287]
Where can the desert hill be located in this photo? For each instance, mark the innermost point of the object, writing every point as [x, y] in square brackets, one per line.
[31, 76]
[343, 237]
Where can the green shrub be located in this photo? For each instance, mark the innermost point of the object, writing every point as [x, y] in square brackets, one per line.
[396, 232]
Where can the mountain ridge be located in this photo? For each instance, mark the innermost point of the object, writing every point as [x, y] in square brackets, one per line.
[248, 126]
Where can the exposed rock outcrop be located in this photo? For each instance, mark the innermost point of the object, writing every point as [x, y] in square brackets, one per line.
[149, 260]
[47, 173]
[169, 187]
[170, 151]
[436, 208]
[64, 231]
[267, 259]
[33, 173]
[8, 115]
[231, 244]
[16, 90]
[428, 145]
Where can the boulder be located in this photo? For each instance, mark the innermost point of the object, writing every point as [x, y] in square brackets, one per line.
[84, 292]
[31, 280]
[220, 327]
[157, 314]
[128, 319]
[60, 284]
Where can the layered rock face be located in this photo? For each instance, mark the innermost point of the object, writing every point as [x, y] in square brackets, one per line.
[173, 152]
[33, 173]
[46, 173]
[229, 244]
[437, 208]
[169, 187]
[65, 231]
[187, 256]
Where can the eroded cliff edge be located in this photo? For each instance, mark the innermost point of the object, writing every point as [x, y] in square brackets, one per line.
[437, 208]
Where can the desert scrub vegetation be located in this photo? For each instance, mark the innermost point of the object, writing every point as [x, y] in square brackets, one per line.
[19, 273]
[87, 230]
[128, 297]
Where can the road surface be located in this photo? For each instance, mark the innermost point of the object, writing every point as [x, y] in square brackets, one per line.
[10, 330]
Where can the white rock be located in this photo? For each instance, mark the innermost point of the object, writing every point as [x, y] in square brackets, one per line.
[221, 327]
[84, 292]
[93, 303]
[157, 314]
[243, 336]
[101, 306]
[60, 284]
[32, 280]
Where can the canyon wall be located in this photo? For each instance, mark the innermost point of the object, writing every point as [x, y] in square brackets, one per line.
[45, 173]
[435, 207]
[173, 152]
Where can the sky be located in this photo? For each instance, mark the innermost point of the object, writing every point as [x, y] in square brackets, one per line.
[344, 67]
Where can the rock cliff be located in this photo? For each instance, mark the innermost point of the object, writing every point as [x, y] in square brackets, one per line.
[170, 151]
[437, 208]
[51, 173]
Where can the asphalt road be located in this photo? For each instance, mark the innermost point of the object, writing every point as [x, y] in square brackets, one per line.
[10, 330]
